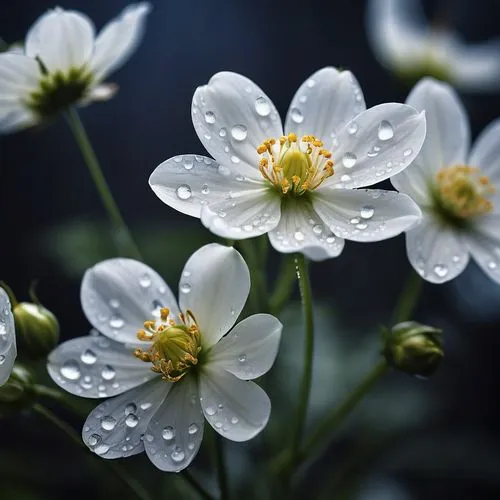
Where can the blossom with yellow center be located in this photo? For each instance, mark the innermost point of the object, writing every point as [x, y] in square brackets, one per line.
[456, 189]
[168, 374]
[298, 183]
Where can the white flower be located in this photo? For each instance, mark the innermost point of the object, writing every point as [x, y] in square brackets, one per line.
[404, 42]
[8, 350]
[63, 63]
[457, 190]
[174, 369]
[299, 187]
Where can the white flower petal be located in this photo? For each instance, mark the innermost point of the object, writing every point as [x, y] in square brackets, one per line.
[119, 295]
[99, 93]
[301, 230]
[97, 367]
[8, 349]
[175, 432]
[188, 182]
[484, 245]
[366, 214]
[232, 116]
[485, 153]
[115, 429]
[397, 31]
[119, 39]
[324, 103]
[377, 144]
[62, 39]
[243, 214]
[214, 285]
[19, 77]
[436, 252]
[236, 409]
[250, 348]
[476, 66]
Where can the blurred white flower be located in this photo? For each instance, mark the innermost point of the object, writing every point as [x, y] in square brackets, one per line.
[456, 189]
[300, 187]
[177, 366]
[63, 64]
[405, 43]
[8, 350]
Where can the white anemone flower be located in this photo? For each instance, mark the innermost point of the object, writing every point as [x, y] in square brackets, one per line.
[169, 365]
[457, 190]
[63, 63]
[8, 349]
[300, 185]
[405, 43]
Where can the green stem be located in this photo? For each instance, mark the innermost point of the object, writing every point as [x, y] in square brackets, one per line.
[55, 395]
[221, 467]
[284, 285]
[196, 485]
[122, 232]
[256, 257]
[128, 481]
[305, 385]
[408, 299]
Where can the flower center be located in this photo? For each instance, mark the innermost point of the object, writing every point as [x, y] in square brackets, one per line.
[175, 345]
[462, 192]
[59, 90]
[294, 166]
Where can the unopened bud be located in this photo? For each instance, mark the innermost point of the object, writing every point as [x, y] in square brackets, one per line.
[37, 329]
[18, 392]
[414, 348]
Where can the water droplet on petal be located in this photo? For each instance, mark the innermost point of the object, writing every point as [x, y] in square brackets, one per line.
[88, 357]
[296, 115]
[101, 449]
[205, 189]
[385, 131]
[188, 164]
[299, 236]
[352, 128]
[262, 106]
[349, 160]
[345, 178]
[145, 281]
[132, 420]
[193, 429]
[94, 439]
[354, 220]
[177, 455]
[185, 287]
[239, 132]
[317, 229]
[116, 322]
[168, 433]
[210, 410]
[234, 420]
[441, 270]
[407, 152]
[71, 370]
[210, 117]
[222, 132]
[108, 423]
[367, 211]
[114, 303]
[130, 408]
[492, 264]
[242, 358]
[108, 373]
[183, 192]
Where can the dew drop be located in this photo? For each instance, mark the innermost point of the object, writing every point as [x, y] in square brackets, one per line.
[235, 159]
[317, 229]
[296, 115]
[184, 192]
[441, 270]
[114, 303]
[193, 429]
[407, 152]
[234, 420]
[205, 189]
[145, 281]
[88, 357]
[116, 322]
[345, 178]
[2, 359]
[108, 373]
[330, 239]
[310, 83]
[262, 106]
[101, 449]
[177, 455]
[222, 132]
[299, 236]
[367, 211]
[492, 264]
[185, 287]
[130, 408]
[210, 410]
[385, 131]
[361, 225]
[132, 420]
[355, 220]
[352, 128]
[146, 406]
[210, 117]
[188, 163]
[239, 132]
[108, 423]
[349, 160]
[242, 358]
[168, 433]
[71, 370]
[94, 439]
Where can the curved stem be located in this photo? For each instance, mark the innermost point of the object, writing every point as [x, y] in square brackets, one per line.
[284, 285]
[124, 238]
[408, 299]
[221, 467]
[128, 481]
[56, 395]
[305, 385]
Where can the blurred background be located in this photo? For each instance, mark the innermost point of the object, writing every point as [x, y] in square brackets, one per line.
[411, 439]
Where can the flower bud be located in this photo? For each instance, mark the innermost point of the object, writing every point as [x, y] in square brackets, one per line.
[18, 392]
[37, 329]
[414, 348]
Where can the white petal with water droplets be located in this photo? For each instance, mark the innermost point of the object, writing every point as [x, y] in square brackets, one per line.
[175, 432]
[62, 39]
[214, 285]
[236, 409]
[485, 153]
[366, 214]
[188, 182]
[377, 144]
[97, 367]
[250, 348]
[119, 295]
[116, 428]
[232, 116]
[485, 249]
[8, 349]
[118, 39]
[436, 252]
[19, 77]
[302, 230]
[324, 103]
[243, 214]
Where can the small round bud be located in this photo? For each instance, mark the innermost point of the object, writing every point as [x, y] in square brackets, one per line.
[414, 348]
[18, 392]
[37, 329]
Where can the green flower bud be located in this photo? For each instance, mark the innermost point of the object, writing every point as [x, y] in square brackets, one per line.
[37, 329]
[414, 348]
[18, 392]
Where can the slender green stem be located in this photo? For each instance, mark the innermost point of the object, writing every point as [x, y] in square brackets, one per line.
[55, 395]
[284, 285]
[305, 385]
[123, 236]
[256, 260]
[221, 467]
[128, 481]
[196, 485]
[408, 300]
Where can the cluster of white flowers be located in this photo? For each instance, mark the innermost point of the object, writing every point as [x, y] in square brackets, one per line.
[168, 365]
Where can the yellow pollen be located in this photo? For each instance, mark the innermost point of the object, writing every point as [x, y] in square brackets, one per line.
[464, 191]
[295, 166]
[174, 345]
